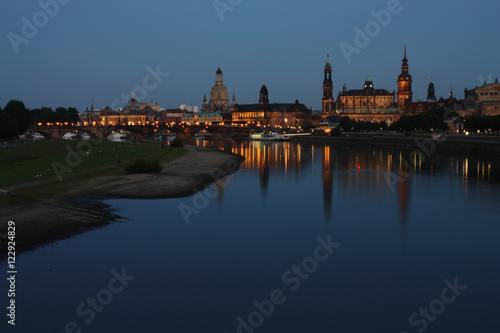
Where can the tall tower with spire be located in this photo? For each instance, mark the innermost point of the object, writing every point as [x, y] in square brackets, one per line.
[431, 92]
[327, 101]
[405, 80]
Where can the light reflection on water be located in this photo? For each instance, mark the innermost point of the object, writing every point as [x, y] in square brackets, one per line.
[438, 220]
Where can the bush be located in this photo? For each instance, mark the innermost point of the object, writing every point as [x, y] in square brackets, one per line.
[144, 166]
[336, 132]
[177, 143]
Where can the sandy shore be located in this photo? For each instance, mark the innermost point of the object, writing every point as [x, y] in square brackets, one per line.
[81, 208]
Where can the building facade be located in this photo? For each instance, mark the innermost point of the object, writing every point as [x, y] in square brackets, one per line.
[276, 115]
[368, 104]
[328, 103]
[219, 96]
[201, 118]
[405, 80]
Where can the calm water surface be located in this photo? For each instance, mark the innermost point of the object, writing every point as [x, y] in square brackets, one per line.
[212, 262]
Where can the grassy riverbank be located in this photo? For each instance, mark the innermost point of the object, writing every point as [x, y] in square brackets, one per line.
[35, 170]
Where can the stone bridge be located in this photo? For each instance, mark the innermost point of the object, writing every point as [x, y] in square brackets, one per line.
[144, 132]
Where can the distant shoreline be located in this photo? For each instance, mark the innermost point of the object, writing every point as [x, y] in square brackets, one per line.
[81, 208]
[447, 143]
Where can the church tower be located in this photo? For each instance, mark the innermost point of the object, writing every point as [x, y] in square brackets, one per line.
[431, 92]
[219, 78]
[404, 87]
[264, 97]
[327, 102]
[219, 96]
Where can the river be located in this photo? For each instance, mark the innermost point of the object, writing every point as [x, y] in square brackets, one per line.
[303, 238]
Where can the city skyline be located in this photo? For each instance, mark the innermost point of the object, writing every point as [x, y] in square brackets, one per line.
[99, 50]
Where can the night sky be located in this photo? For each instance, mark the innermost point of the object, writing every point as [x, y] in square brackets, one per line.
[102, 48]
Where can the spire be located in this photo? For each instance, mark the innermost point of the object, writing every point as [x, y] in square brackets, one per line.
[496, 80]
[431, 79]
[328, 63]
[405, 50]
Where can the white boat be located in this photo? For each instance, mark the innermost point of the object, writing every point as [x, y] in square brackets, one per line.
[76, 136]
[203, 135]
[120, 136]
[165, 136]
[32, 136]
[269, 137]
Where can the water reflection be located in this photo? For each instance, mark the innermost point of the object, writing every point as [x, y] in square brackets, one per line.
[358, 172]
[327, 172]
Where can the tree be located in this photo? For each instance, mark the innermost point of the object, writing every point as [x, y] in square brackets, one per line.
[346, 124]
[15, 119]
[7, 126]
[73, 115]
[425, 121]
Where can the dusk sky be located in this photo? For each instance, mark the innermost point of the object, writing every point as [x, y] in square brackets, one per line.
[102, 48]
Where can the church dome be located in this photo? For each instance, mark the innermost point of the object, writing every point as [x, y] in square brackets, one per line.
[133, 104]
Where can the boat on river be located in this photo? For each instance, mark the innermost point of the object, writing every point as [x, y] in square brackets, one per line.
[269, 137]
[203, 135]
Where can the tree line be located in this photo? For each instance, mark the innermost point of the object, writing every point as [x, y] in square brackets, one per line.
[15, 118]
[425, 121]
[482, 123]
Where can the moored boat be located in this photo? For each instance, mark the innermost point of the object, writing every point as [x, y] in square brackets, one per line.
[203, 135]
[76, 135]
[120, 136]
[269, 137]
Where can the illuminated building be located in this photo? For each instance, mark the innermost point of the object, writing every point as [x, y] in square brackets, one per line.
[367, 104]
[404, 86]
[276, 115]
[483, 100]
[328, 106]
[133, 114]
[201, 118]
[219, 96]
